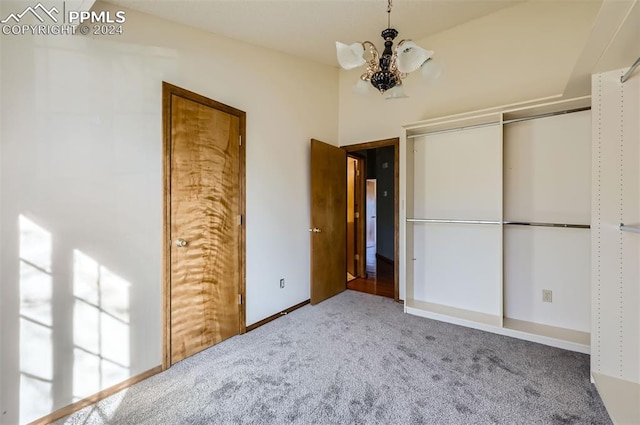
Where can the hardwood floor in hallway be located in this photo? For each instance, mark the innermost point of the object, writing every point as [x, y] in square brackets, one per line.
[379, 280]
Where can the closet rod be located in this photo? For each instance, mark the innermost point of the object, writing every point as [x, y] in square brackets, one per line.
[437, 220]
[550, 114]
[488, 124]
[508, 223]
[568, 226]
[627, 74]
[632, 229]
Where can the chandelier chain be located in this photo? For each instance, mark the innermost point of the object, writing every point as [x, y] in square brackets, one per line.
[389, 5]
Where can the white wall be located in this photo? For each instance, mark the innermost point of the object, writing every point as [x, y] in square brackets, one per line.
[517, 54]
[81, 197]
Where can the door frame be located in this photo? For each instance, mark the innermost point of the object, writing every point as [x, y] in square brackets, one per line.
[395, 142]
[360, 195]
[169, 90]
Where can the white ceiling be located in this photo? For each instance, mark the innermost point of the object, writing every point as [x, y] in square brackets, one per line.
[309, 28]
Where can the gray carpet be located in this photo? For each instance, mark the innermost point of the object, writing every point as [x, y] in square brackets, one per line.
[358, 359]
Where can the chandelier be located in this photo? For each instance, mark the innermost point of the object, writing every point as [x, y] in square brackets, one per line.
[386, 71]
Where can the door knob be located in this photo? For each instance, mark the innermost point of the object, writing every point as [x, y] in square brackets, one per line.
[181, 243]
[315, 230]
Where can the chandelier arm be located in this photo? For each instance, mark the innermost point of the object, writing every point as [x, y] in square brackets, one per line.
[373, 64]
[370, 44]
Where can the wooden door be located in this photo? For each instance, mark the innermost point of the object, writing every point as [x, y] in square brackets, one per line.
[204, 203]
[328, 231]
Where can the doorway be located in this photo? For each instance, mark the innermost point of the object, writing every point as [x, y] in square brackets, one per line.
[355, 215]
[203, 231]
[375, 217]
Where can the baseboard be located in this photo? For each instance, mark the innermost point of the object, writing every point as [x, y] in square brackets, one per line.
[275, 316]
[385, 259]
[81, 404]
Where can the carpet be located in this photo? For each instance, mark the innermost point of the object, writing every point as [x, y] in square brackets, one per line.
[358, 359]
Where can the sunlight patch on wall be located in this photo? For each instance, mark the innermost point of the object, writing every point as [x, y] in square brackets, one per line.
[100, 327]
[36, 344]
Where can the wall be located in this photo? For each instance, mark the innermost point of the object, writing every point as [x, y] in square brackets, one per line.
[385, 224]
[517, 54]
[81, 197]
[371, 163]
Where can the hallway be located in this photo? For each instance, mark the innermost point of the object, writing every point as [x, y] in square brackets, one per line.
[379, 280]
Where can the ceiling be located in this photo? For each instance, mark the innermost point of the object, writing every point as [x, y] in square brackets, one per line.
[310, 28]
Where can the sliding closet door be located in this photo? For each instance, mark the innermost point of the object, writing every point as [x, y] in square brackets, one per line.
[547, 183]
[456, 231]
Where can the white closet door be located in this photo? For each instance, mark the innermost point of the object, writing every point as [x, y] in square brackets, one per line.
[548, 180]
[457, 176]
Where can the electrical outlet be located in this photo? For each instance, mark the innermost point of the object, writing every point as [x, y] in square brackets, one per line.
[282, 283]
[547, 296]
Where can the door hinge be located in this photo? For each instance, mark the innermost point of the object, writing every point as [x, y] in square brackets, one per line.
[240, 220]
[357, 215]
[357, 257]
[240, 140]
[239, 299]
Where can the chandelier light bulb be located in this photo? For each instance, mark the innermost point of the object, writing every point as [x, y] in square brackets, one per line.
[396, 92]
[411, 56]
[350, 55]
[431, 71]
[361, 87]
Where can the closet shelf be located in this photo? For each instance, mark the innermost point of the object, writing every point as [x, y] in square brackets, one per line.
[567, 339]
[444, 312]
[563, 334]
